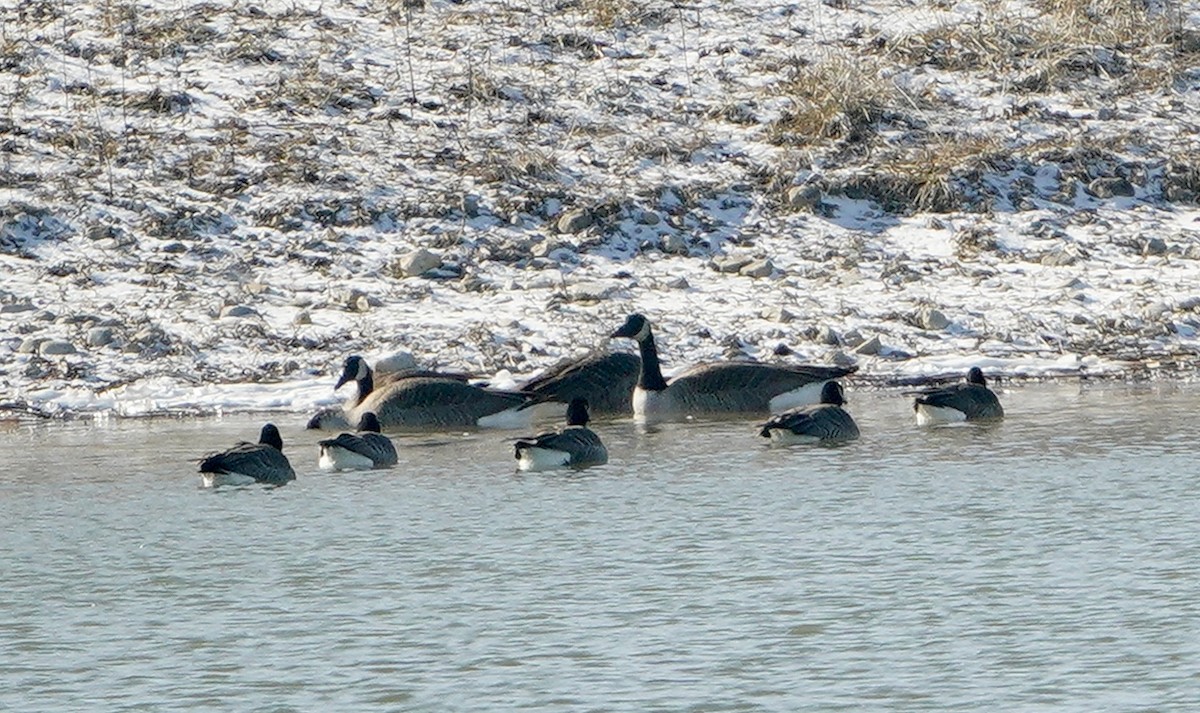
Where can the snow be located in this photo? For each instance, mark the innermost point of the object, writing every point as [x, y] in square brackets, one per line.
[163, 161]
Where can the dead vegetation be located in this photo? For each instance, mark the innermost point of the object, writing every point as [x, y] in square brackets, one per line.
[836, 98]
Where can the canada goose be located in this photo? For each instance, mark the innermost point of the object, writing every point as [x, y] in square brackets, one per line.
[575, 446]
[362, 451]
[968, 401]
[719, 387]
[335, 418]
[605, 380]
[827, 421]
[425, 400]
[245, 463]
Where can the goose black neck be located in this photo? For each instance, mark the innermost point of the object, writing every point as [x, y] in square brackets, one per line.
[650, 378]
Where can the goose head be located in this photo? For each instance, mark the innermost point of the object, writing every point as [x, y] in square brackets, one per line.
[270, 437]
[354, 369]
[636, 327]
[577, 412]
[369, 423]
[975, 376]
[832, 393]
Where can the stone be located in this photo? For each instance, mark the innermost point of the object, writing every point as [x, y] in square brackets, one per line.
[174, 248]
[674, 244]
[237, 311]
[302, 317]
[730, 263]
[16, 307]
[55, 347]
[649, 217]
[871, 347]
[590, 291]
[44, 315]
[803, 197]
[575, 220]
[101, 336]
[1111, 187]
[418, 262]
[853, 338]
[678, 283]
[827, 335]
[1155, 246]
[396, 362]
[778, 314]
[757, 268]
[932, 319]
[29, 345]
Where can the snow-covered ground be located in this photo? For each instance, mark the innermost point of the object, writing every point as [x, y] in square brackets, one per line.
[208, 205]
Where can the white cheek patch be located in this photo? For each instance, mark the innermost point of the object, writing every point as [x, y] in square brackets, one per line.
[644, 332]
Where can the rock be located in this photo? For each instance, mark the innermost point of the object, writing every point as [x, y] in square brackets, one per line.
[174, 248]
[1155, 246]
[1156, 309]
[678, 283]
[649, 217]
[871, 347]
[417, 263]
[471, 205]
[803, 197]
[853, 338]
[778, 314]
[1110, 186]
[758, 268]
[44, 315]
[237, 311]
[932, 319]
[827, 335]
[358, 301]
[29, 345]
[841, 358]
[55, 347]
[730, 263]
[590, 291]
[674, 244]
[398, 361]
[16, 307]
[101, 336]
[1061, 257]
[575, 220]
[782, 349]
[302, 317]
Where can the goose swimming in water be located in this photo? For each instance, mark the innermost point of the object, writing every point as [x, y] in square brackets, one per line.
[721, 387]
[827, 421]
[365, 450]
[605, 380]
[971, 400]
[246, 463]
[574, 446]
[426, 400]
[335, 419]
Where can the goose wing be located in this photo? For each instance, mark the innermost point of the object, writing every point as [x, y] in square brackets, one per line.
[606, 380]
[826, 422]
[580, 443]
[744, 386]
[436, 401]
[256, 460]
[973, 400]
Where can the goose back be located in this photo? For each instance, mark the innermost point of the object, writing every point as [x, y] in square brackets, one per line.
[424, 402]
[747, 387]
[364, 450]
[605, 380]
[262, 462]
[574, 446]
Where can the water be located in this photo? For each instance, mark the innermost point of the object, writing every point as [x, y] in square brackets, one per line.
[1049, 563]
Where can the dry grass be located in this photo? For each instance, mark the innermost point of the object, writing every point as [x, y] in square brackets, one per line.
[839, 98]
[929, 177]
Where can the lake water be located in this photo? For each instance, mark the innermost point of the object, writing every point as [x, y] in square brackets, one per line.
[1049, 563]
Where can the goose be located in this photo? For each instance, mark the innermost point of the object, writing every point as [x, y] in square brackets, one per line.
[429, 400]
[246, 463]
[335, 418]
[971, 400]
[365, 450]
[719, 387]
[605, 380]
[574, 446]
[827, 421]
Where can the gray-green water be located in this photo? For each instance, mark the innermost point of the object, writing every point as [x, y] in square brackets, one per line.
[1051, 563]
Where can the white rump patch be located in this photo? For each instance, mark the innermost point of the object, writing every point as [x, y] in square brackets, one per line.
[784, 437]
[806, 395]
[337, 458]
[542, 459]
[509, 418]
[933, 415]
[214, 480]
